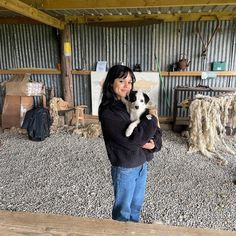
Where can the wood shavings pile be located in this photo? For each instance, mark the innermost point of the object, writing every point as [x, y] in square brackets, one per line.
[209, 117]
[89, 131]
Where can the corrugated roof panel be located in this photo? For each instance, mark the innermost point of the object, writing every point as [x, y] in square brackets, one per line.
[137, 11]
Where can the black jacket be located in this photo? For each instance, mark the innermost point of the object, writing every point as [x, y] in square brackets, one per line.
[123, 151]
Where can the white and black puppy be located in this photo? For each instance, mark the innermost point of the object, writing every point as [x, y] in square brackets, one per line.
[136, 105]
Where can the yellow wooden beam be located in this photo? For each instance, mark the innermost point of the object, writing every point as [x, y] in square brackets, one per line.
[33, 13]
[154, 18]
[91, 4]
[38, 71]
[122, 20]
[88, 72]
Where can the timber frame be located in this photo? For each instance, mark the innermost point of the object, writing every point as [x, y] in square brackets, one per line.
[55, 13]
[31, 12]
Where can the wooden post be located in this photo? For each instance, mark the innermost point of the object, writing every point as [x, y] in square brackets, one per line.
[67, 82]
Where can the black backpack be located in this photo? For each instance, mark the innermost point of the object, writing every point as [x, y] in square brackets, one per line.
[37, 121]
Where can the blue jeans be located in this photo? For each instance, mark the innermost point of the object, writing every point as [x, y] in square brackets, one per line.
[129, 190]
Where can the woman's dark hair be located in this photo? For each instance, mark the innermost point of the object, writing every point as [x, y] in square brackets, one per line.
[108, 95]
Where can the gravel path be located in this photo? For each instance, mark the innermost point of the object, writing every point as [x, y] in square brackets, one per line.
[67, 174]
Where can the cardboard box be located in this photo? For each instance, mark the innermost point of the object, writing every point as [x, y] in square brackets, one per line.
[24, 88]
[26, 104]
[14, 110]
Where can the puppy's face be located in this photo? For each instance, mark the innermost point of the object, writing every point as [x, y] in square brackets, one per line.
[138, 100]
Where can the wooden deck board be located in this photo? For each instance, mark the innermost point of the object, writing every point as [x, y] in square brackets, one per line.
[25, 223]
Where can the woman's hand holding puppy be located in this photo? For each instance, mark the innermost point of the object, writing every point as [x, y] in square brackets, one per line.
[149, 145]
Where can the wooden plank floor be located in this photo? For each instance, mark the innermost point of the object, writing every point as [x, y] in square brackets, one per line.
[25, 223]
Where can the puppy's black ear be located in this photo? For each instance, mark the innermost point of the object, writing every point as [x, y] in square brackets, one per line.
[146, 98]
[132, 96]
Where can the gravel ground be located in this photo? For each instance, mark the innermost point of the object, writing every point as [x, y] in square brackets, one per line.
[67, 174]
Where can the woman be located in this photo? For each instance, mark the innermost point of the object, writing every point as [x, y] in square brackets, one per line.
[128, 156]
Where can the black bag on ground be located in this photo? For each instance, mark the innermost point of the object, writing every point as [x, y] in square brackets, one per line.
[37, 121]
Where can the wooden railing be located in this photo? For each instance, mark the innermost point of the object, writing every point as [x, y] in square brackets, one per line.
[88, 72]
[25, 223]
[30, 71]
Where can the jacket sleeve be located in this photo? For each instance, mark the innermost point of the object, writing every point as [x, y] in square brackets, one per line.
[157, 138]
[145, 130]
[114, 128]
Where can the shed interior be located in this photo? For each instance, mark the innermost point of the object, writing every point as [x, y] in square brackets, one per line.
[58, 43]
[157, 36]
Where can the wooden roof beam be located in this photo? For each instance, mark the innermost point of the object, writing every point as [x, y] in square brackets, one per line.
[147, 19]
[91, 4]
[31, 12]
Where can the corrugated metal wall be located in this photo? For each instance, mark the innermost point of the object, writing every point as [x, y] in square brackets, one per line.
[152, 46]
[114, 45]
[30, 46]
